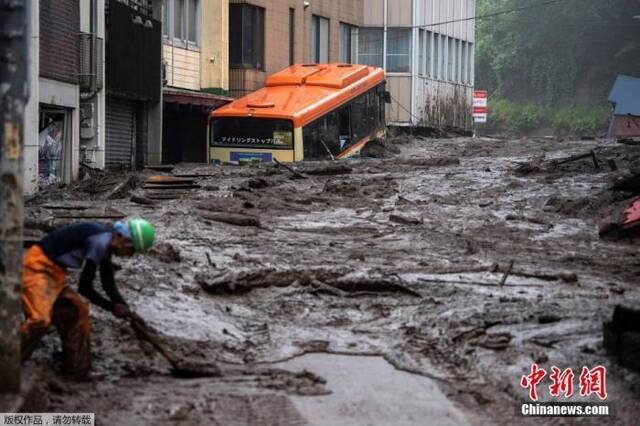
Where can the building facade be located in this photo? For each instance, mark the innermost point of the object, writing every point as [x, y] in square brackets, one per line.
[88, 108]
[266, 36]
[195, 61]
[133, 76]
[52, 115]
[427, 50]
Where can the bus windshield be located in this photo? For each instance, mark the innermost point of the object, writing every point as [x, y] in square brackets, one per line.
[247, 132]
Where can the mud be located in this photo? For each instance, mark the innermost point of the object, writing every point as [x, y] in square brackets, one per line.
[441, 219]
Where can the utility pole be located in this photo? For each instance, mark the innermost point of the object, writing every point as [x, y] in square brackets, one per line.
[14, 34]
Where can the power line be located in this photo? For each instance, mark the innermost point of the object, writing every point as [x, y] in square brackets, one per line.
[471, 18]
[486, 16]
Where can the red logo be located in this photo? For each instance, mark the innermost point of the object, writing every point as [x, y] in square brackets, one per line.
[592, 382]
[562, 382]
[531, 381]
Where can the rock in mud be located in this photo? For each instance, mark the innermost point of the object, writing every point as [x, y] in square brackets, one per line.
[166, 252]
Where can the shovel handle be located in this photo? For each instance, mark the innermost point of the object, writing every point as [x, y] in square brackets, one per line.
[142, 332]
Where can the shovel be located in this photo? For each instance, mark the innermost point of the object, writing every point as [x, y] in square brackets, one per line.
[188, 370]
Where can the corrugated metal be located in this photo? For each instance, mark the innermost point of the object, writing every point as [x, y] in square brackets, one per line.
[59, 42]
[120, 133]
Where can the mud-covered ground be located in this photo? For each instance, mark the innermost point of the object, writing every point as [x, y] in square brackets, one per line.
[402, 257]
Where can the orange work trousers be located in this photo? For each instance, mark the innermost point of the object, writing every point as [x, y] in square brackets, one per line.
[46, 300]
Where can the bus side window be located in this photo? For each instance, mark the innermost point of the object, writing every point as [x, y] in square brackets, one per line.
[321, 138]
[363, 114]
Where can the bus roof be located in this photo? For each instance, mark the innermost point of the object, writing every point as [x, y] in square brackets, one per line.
[304, 92]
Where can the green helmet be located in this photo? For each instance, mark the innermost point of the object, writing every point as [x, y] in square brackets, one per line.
[142, 234]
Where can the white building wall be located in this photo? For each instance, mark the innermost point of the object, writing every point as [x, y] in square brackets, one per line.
[445, 100]
[422, 96]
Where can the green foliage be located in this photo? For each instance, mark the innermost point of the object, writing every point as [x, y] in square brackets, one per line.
[579, 120]
[570, 120]
[518, 118]
[562, 53]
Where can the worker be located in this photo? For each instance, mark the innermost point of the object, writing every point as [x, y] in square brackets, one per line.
[46, 300]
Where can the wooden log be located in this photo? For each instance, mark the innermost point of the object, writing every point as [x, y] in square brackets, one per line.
[333, 169]
[142, 200]
[231, 218]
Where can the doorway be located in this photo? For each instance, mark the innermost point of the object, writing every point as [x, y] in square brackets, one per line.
[54, 145]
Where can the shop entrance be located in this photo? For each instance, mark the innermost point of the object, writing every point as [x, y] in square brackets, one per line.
[54, 145]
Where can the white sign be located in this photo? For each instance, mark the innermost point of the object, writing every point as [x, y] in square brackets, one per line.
[480, 110]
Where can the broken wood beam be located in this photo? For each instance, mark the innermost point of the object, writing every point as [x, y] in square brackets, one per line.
[591, 154]
[295, 173]
[120, 187]
[506, 274]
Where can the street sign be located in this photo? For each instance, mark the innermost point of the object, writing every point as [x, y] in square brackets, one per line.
[480, 106]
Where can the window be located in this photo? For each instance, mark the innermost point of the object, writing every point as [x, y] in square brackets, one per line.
[429, 54]
[181, 20]
[292, 35]
[471, 65]
[421, 51]
[348, 43]
[322, 138]
[246, 36]
[463, 65]
[364, 115]
[334, 132]
[398, 50]
[437, 57]
[319, 39]
[450, 58]
[236, 132]
[165, 19]
[370, 46]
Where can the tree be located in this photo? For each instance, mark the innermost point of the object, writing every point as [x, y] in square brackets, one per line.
[556, 53]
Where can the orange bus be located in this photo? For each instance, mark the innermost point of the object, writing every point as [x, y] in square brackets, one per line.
[305, 112]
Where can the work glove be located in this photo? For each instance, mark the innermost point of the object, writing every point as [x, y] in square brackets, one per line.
[120, 310]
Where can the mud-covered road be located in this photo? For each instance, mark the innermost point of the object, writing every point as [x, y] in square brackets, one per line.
[399, 257]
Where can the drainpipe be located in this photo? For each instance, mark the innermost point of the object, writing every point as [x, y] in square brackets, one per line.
[384, 36]
[414, 55]
[93, 29]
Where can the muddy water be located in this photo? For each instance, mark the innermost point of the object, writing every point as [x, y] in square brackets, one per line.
[368, 390]
[435, 227]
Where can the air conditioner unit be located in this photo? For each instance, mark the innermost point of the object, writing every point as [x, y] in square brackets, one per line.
[91, 64]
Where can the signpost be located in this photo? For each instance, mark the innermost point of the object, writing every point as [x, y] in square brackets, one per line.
[480, 98]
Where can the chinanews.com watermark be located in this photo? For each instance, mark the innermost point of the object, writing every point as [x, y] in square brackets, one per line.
[563, 387]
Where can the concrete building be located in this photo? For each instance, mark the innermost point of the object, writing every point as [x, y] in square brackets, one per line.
[52, 132]
[427, 50]
[133, 75]
[86, 107]
[195, 58]
[266, 36]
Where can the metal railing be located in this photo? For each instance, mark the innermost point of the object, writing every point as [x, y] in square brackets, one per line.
[91, 73]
